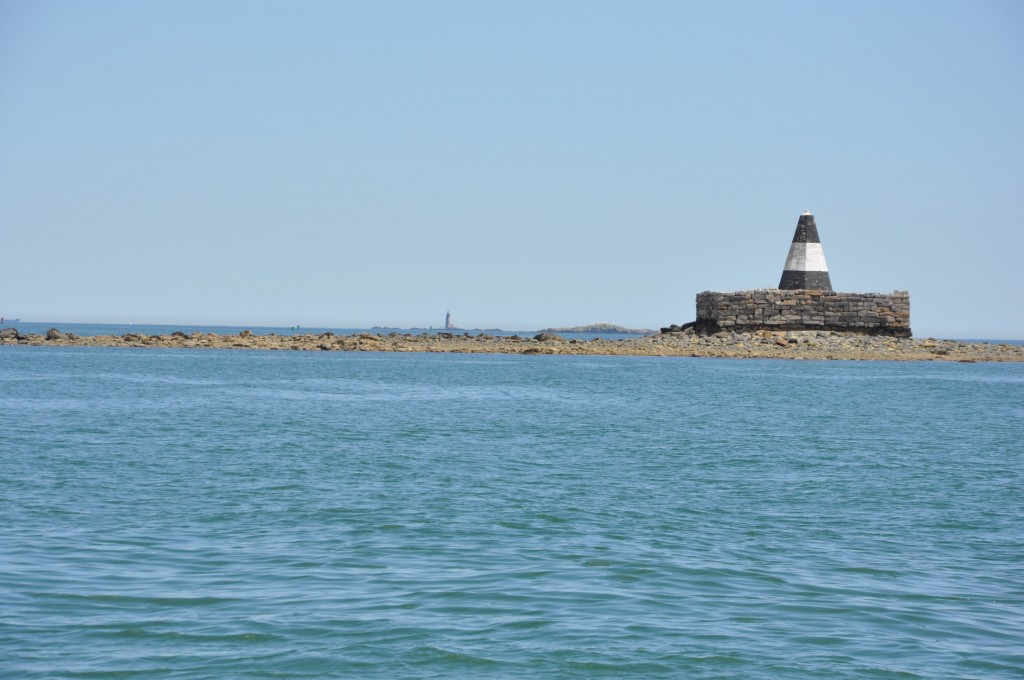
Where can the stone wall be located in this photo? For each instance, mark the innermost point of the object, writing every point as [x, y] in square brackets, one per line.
[800, 310]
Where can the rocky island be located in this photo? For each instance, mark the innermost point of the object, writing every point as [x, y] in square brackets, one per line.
[603, 328]
[764, 344]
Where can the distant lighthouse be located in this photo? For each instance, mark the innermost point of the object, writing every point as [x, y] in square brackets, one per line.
[448, 321]
[805, 265]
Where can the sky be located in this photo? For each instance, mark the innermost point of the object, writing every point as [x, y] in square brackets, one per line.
[521, 164]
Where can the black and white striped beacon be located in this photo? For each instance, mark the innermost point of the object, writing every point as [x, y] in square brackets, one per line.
[805, 266]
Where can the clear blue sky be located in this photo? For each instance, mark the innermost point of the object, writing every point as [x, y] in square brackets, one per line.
[522, 164]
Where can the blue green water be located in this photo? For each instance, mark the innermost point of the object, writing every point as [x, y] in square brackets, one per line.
[215, 514]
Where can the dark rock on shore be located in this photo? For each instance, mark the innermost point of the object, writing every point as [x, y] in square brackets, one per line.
[675, 328]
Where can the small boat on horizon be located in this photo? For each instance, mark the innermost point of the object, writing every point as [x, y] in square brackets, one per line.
[3, 320]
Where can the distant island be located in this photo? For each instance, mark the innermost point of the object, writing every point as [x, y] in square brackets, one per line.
[606, 328]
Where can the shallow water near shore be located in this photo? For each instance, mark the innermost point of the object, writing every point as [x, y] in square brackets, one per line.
[189, 513]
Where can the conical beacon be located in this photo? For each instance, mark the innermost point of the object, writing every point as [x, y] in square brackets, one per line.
[805, 266]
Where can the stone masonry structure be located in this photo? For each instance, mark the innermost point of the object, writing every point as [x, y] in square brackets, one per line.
[802, 310]
[804, 300]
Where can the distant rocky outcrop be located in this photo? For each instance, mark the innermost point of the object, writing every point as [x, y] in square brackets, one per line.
[606, 328]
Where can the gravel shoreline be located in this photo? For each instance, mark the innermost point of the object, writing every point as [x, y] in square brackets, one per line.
[813, 345]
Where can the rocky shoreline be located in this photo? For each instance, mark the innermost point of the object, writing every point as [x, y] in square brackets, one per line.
[814, 345]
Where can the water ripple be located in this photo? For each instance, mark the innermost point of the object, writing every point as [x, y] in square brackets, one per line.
[271, 515]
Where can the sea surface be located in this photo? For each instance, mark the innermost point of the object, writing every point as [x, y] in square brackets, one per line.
[184, 513]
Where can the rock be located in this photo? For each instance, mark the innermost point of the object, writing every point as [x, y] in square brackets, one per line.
[54, 334]
[548, 337]
[177, 334]
[9, 334]
[245, 334]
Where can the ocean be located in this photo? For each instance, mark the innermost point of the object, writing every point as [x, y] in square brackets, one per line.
[243, 514]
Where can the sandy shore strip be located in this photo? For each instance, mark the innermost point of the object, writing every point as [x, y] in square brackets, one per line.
[816, 345]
